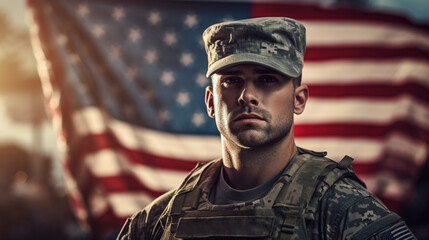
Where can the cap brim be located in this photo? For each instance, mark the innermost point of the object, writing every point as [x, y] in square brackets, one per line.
[284, 66]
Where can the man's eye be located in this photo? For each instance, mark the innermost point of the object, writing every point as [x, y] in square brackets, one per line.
[230, 81]
[268, 79]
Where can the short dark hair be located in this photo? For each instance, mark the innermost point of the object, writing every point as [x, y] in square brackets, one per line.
[297, 81]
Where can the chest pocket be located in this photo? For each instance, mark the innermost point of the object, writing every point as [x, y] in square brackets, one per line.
[255, 223]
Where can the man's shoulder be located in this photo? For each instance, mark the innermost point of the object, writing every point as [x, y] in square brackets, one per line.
[157, 206]
[141, 224]
[348, 207]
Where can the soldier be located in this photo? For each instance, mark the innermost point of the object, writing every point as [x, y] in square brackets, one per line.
[264, 186]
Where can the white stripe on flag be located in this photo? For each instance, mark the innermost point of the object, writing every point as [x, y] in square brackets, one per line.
[123, 204]
[158, 179]
[89, 120]
[367, 150]
[351, 147]
[375, 111]
[359, 71]
[361, 33]
[105, 163]
[98, 202]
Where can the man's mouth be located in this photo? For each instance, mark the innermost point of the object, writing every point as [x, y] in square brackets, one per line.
[248, 117]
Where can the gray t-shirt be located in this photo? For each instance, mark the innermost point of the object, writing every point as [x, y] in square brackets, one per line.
[223, 193]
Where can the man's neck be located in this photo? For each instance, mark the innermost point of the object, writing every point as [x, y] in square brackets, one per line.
[249, 168]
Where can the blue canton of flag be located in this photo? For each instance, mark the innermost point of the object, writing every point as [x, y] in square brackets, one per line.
[145, 64]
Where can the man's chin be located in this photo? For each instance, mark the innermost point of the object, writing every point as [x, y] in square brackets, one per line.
[250, 138]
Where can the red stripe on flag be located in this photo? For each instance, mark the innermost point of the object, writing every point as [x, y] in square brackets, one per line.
[366, 89]
[318, 53]
[93, 143]
[314, 12]
[125, 183]
[366, 168]
[406, 169]
[395, 205]
[361, 130]
[105, 223]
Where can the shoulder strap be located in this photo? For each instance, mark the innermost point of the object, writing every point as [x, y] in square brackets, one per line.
[294, 199]
[300, 188]
[194, 176]
[188, 194]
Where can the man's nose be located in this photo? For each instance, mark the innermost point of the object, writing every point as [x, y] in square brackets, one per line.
[248, 95]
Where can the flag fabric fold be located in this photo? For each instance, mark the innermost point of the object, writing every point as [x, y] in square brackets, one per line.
[124, 84]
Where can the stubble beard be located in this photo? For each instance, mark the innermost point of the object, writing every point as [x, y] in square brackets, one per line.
[252, 135]
[255, 137]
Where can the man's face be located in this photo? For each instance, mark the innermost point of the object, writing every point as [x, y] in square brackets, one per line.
[253, 105]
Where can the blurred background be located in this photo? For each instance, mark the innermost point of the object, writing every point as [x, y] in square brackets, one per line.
[33, 200]
[33, 196]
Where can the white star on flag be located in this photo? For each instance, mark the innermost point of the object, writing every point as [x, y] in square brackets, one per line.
[198, 119]
[201, 80]
[118, 13]
[170, 38]
[134, 35]
[186, 59]
[191, 21]
[154, 17]
[151, 56]
[98, 30]
[167, 77]
[83, 10]
[183, 98]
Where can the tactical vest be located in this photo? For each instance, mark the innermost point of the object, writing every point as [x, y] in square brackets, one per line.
[281, 214]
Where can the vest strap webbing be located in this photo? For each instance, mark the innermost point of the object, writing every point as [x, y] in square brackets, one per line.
[186, 195]
[300, 190]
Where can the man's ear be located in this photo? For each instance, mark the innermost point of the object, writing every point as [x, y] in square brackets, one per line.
[301, 97]
[209, 101]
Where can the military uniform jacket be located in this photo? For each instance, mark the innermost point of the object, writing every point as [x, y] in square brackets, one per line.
[314, 198]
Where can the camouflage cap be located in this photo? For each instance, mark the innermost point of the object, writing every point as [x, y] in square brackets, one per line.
[274, 42]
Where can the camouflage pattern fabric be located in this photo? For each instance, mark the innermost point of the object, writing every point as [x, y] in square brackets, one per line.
[274, 42]
[345, 210]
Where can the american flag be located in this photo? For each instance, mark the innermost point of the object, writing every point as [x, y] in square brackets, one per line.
[124, 82]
